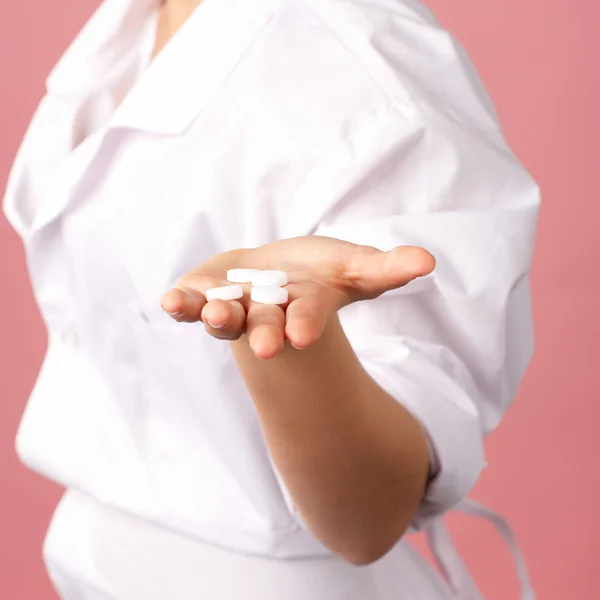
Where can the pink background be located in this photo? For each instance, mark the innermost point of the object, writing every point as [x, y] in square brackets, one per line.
[538, 58]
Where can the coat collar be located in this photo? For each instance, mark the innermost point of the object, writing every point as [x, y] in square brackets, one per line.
[189, 70]
[168, 96]
[99, 46]
[180, 81]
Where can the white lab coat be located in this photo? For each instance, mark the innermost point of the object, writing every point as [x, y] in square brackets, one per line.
[260, 119]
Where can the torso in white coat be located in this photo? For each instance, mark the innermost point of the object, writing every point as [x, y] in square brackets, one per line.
[261, 119]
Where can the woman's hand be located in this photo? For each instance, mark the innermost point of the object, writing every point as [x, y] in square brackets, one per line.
[340, 442]
[325, 275]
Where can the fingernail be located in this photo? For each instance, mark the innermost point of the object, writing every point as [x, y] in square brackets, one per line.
[175, 314]
[215, 326]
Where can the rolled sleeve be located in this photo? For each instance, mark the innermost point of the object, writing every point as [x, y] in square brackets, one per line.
[449, 417]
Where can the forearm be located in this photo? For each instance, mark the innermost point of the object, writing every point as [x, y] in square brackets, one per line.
[355, 461]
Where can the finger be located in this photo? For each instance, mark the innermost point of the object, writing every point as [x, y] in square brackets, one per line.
[306, 319]
[184, 304]
[186, 300]
[265, 326]
[224, 320]
[379, 272]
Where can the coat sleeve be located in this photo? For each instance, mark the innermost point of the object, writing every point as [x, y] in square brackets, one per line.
[453, 346]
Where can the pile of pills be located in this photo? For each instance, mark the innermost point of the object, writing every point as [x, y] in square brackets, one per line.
[267, 286]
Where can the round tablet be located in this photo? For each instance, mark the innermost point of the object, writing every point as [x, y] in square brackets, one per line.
[241, 275]
[269, 294]
[227, 292]
[270, 278]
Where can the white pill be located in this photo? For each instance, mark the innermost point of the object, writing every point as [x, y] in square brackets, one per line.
[269, 294]
[270, 278]
[241, 275]
[227, 292]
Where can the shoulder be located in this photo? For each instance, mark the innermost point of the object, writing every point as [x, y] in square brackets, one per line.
[396, 48]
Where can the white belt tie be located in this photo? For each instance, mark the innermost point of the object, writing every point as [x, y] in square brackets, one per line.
[456, 573]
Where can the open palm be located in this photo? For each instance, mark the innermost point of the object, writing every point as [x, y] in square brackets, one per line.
[325, 274]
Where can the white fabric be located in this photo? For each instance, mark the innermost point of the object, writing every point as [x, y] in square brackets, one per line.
[261, 119]
[458, 577]
[93, 552]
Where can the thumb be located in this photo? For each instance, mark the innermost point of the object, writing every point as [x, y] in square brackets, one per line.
[385, 271]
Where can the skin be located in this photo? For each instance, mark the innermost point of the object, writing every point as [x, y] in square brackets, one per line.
[353, 458]
[172, 15]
